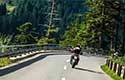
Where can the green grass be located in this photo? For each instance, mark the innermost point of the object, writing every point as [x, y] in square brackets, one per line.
[110, 73]
[4, 61]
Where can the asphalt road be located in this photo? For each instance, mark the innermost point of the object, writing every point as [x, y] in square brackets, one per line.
[56, 67]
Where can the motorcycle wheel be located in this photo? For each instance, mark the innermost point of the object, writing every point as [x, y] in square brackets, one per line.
[73, 65]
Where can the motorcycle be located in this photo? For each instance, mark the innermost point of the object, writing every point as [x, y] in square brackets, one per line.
[74, 61]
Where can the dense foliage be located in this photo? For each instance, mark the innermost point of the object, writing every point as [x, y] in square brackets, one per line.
[14, 13]
[4, 61]
[103, 26]
[4, 40]
[93, 23]
[24, 35]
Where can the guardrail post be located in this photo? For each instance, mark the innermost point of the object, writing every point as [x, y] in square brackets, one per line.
[115, 67]
[107, 62]
[124, 74]
[111, 64]
[119, 70]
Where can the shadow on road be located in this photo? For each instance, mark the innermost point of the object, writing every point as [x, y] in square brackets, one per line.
[21, 65]
[88, 70]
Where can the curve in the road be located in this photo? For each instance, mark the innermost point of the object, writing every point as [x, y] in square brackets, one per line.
[56, 67]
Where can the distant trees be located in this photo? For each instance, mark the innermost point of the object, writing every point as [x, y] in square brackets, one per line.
[38, 13]
[109, 24]
[3, 9]
[102, 26]
[24, 35]
[45, 40]
[70, 35]
[4, 40]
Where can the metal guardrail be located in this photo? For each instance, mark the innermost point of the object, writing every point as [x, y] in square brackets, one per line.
[13, 50]
[116, 68]
[95, 51]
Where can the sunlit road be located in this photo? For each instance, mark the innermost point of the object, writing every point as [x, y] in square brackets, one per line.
[57, 67]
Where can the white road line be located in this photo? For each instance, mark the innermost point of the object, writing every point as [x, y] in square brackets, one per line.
[68, 60]
[63, 78]
[65, 67]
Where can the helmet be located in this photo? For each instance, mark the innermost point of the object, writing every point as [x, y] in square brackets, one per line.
[78, 45]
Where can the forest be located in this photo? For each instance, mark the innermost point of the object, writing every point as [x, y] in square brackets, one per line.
[38, 21]
[91, 23]
[103, 26]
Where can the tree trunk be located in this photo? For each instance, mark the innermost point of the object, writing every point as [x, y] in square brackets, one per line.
[123, 44]
[111, 44]
[100, 41]
[116, 37]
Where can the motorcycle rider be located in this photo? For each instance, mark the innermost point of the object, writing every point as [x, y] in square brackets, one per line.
[76, 52]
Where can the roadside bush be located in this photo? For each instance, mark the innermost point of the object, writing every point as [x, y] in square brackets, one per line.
[120, 60]
[4, 61]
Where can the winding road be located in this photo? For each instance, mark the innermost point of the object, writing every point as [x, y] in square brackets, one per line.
[55, 66]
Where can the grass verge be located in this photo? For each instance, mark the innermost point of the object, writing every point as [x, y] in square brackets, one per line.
[113, 75]
[4, 61]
